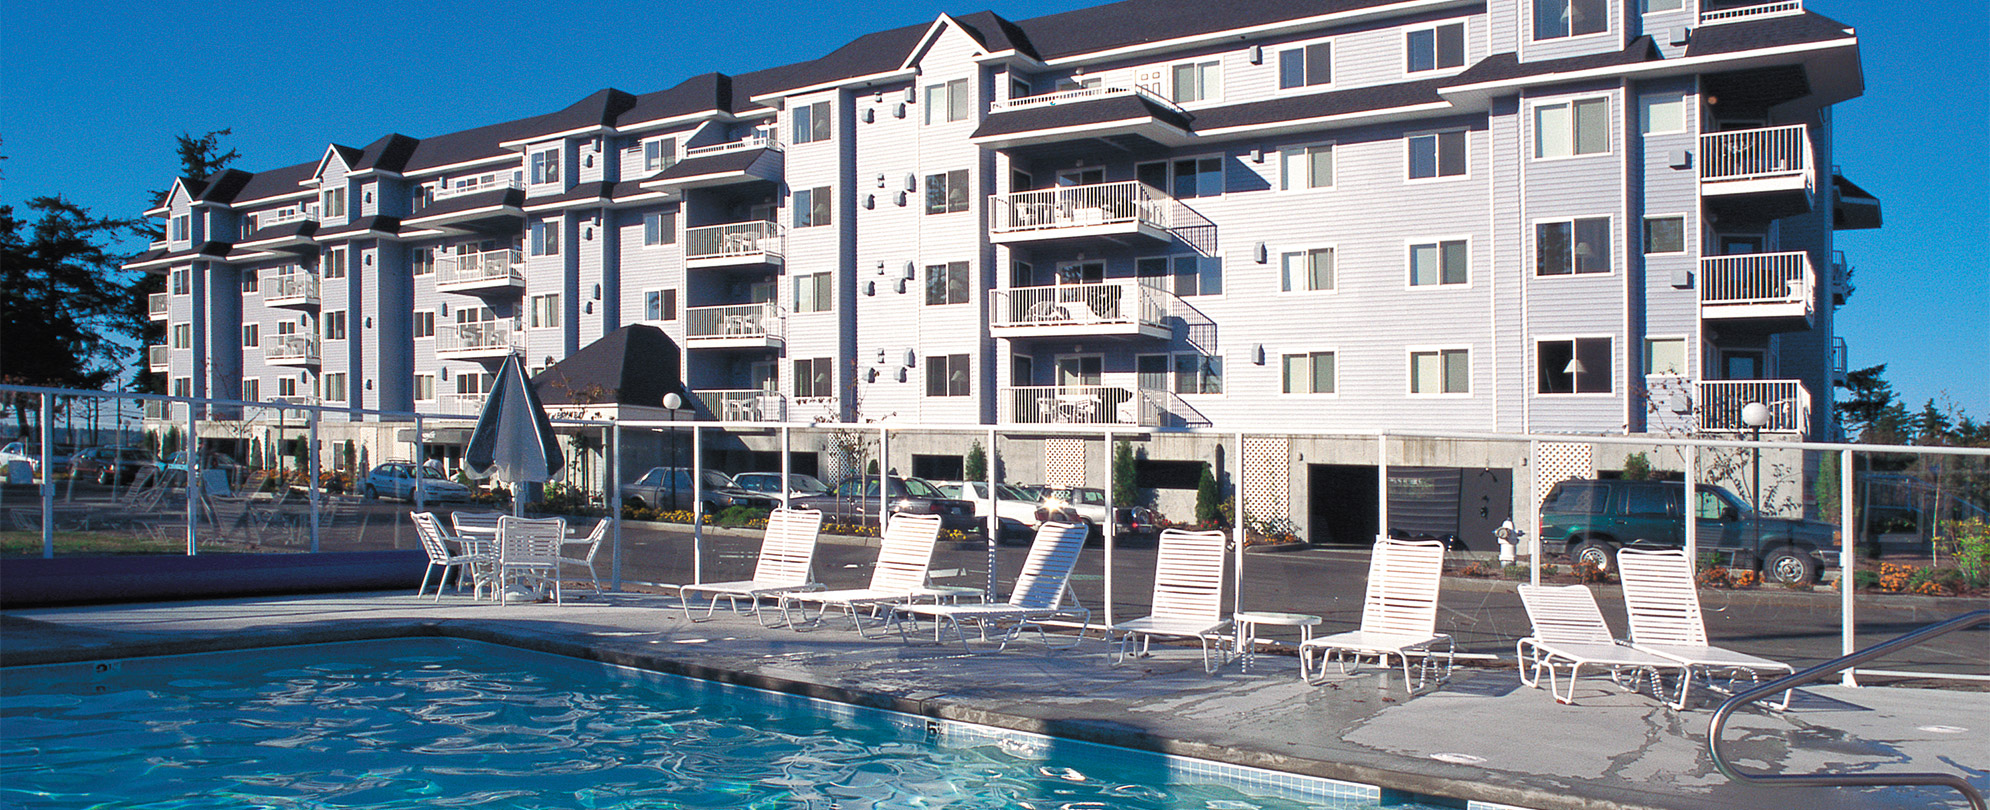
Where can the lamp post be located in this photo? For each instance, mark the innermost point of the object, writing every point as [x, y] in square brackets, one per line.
[1755, 415]
[672, 401]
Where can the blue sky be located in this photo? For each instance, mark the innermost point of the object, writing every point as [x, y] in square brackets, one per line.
[92, 94]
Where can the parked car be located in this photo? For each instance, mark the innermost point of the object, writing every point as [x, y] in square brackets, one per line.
[670, 488]
[856, 500]
[800, 485]
[108, 465]
[177, 462]
[1590, 519]
[20, 451]
[396, 479]
[1087, 505]
[1015, 510]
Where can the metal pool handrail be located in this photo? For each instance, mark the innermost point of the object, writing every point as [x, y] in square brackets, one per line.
[1719, 721]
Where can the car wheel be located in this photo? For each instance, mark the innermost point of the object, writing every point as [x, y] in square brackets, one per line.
[1593, 552]
[371, 493]
[1789, 566]
[635, 503]
[104, 479]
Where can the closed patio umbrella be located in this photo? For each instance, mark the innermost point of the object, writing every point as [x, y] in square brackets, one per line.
[513, 439]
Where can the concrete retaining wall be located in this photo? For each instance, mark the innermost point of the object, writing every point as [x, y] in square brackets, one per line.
[35, 582]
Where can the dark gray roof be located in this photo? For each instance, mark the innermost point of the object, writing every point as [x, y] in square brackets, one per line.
[1132, 22]
[737, 160]
[1317, 105]
[1764, 33]
[1503, 66]
[705, 92]
[627, 189]
[878, 52]
[581, 191]
[469, 202]
[633, 365]
[601, 108]
[296, 227]
[223, 186]
[996, 33]
[276, 182]
[348, 154]
[390, 153]
[361, 225]
[1097, 111]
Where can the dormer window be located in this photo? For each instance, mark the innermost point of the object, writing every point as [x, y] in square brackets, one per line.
[1436, 48]
[182, 228]
[1554, 19]
[659, 154]
[1198, 81]
[332, 202]
[1307, 66]
[546, 167]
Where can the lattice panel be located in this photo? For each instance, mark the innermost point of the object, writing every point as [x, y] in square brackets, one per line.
[1560, 461]
[1267, 477]
[1064, 462]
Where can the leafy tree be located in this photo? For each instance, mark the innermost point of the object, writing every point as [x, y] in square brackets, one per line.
[1124, 493]
[975, 466]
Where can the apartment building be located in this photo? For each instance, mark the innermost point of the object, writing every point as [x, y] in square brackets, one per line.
[1342, 215]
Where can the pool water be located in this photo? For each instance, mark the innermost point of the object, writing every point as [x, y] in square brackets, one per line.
[422, 723]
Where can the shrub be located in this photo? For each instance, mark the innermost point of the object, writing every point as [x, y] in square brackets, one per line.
[746, 516]
[1588, 573]
[1515, 571]
[1637, 467]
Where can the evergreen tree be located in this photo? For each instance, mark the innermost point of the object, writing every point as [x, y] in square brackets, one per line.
[60, 300]
[1208, 501]
[1868, 395]
[1124, 472]
[200, 158]
[975, 467]
[1931, 426]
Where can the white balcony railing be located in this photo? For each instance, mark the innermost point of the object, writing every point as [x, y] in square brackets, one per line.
[475, 185]
[1756, 12]
[478, 337]
[290, 286]
[745, 405]
[279, 348]
[1120, 203]
[1080, 95]
[1841, 359]
[760, 139]
[158, 305]
[812, 409]
[269, 219]
[491, 268]
[1080, 305]
[1757, 280]
[1081, 405]
[158, 358]
[737, 322]
[1756, 154]
[738, 240]
[461, 404]
[297, 399]
[1721, 401]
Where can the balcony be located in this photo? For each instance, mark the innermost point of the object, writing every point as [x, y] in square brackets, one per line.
[1124, 308]
[757, 158]
[488, 203]
[288, 229]
[461, 404]
[1765, 286]
[812, 409]
[492, 271]
[738, 244]
[291, 350]
[477, 339]
[301, 213]
[158, 358]
[1115, 211]
[1768, 172]
[1130, 118]
[1748, 13]
[743, 326]
[1720, 403]
[291, 287]
[159, 305]
[1841, 361]
[1081, 405]
[745, 405]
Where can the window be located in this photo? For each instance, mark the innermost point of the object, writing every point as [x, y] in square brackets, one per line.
[1665, 356]
[424, 388]
[421, 261]
[335, 388]
[811, 207]
[659, 154]
[546, 311]
[1307, 167]
[252, 335]
[1191, 275]
[1301, 67]
[332, 201]
[1554, 19]
[182, 386]
[179, 280]
[946, 283]
[1438, 263]
[1437, 154]
[815, 378]
[1310, 373]
[660, 228]
[1441, 371]
[1198, 81]
[1580, 127]
[1436, 48]
[252, 389]
[1663, 5]
[335, 262]
[1575, 366]
[545, 166]
[470, 382]
[1198, 374]
[1572, 246]
[286, 386]
[660, 305]
[251, 281]
[334, 326]
[946, 102]
[1661, 113]
[813, 292]
[1665, 234]
[1308, 270]
[946, 375]
[811, 122]
[946, 193]
[424, 323]
[182, 336]
[545, 237]
[182, 228]
[1189, 177]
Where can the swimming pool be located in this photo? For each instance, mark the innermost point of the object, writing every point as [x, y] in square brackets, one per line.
[442, 723]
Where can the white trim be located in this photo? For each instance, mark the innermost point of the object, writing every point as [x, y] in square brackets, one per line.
[1532, 123]
[1333, 161]
[1685, 356]
[1278, 257]
[1532, 243]
[526, 144]
[1198, 62]
[1686, 108]
[1409, 370]
[1277, 358]
[1465, 35]
[1437, 156]
[1258, 31]
[779, 98]
[1534, 364]
[1409, 262]
[1527, 28]
[1681, 66]
[1276, 52]
[1686, 240]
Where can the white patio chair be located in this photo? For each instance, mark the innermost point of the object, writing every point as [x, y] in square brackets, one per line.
[905, 555]
[1039, 595]
[475, 524]
[1569, 633]
[436, 543]
[586, 558]
[787, 555]
[1398, 615]
[1664, 607]
[1188, 599]
[528, 551]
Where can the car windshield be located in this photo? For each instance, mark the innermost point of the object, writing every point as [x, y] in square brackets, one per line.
[1714, 501]
[717, 480]
[1010, 493]
[918, 488]
[136, 455]
[433, 474]
[806, 483]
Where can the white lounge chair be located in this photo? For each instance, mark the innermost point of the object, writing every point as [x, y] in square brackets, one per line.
[786, 556]
[1398, 615]
[436, 543]
[905, 555]
[1040, 594]
[1188, 599]
[1665, 615]
[528, 551]
[586, 558]
[1569, 633]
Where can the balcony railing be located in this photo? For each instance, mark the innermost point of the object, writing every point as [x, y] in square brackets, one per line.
[1756, 154]
[1081, 405]
[291, 348]
[812, 409]
[477, 337]
[270, 219]
[292, 287]
[762, 139]
[736, 323]
[159, 305]
[1757, 285]
[491, 268]
[1124, 203]
[461, 404]
[475, 185]
[738, 241]
[1721, 401]
[1110, 306]
[1746, 13]
[1841, 360]
[158, 358]
[745, 405]
[1080, 95]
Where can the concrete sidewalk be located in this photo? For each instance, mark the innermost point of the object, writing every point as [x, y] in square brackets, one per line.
[1481, 737]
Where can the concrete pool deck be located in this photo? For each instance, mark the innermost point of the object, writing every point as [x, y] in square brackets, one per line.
[1481, 737]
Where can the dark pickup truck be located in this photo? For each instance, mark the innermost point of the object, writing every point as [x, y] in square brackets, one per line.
[855, 501]
[1590, 519]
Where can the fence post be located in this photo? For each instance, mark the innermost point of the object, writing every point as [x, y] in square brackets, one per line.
[994, 527]
[1692, 507]
[192, 449]
[615, 507]
[1847, 537]
[1381, 483]
[697, 505]
[884, 477]
[1534, 512]
[311, 494]
[1236, 523]
[47, 478]
[1112, 518]
[420, 470]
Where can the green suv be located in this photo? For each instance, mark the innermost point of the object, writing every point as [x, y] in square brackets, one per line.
[1590, 519]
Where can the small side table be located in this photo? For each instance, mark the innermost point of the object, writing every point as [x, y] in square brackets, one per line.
[1247, 629]
[953, 594]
